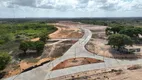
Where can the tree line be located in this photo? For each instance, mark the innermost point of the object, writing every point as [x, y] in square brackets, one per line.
[120, 36]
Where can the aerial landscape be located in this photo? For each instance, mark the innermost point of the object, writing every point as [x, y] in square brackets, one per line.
[70, 40]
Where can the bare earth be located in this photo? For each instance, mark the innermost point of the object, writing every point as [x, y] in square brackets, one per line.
[64, 32]
[75, 62]
[131, 72]
[98, 45]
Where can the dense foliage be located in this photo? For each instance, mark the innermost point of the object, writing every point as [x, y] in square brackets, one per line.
[132, 32]
[29, 45]
[11, 34]
[23, 31]
[119, 40]
[4, 60]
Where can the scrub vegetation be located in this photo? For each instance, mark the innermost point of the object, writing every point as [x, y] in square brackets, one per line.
[16, 37]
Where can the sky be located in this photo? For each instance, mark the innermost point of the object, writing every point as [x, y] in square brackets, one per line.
[70, 8]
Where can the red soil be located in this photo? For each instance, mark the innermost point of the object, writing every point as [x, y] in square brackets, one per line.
[76, 62]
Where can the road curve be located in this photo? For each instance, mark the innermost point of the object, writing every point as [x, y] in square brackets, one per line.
[77, 50]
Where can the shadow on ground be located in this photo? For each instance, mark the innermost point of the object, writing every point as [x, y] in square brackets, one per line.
[123, 56]
[32, 54]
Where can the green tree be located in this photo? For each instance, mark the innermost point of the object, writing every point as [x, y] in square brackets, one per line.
[43, 38]
[39, 46]
[115, 29]
[4, 60]
[128, 31]
[132, 32]
[24, 46]
[119, 40]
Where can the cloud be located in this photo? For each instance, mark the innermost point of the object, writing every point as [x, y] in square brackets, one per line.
[65, 5]
[29, 3]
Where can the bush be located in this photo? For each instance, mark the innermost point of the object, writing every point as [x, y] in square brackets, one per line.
[38, 46]
[119, 40]
[4, 60]
[2, 41]
[24, 46]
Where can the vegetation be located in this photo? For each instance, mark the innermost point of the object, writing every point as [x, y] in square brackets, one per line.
[29, 45]
[17, 32]
[114, 29]
[23, 31]
[43, 37]
[24, 46]
[132, 32]
[4, 60]
[119, 40]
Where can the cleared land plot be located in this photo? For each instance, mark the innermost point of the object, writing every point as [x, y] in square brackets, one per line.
[98, 45]
[76, 62]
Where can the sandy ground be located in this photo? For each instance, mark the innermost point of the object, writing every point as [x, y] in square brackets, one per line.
[35, 39]
[98, 45]
[75, 62]
[66, 32]
[24, 65]
[131, 72]
[58, 51]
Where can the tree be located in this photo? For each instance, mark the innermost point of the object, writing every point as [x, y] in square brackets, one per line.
[114, 29]
[132, 32]
[43, 38]
[119, 40]
[39, 46]
[24, 46]
[4, 60]
[128, 31]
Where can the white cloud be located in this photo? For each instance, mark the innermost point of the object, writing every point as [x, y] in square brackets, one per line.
[108, 5]
[75, 7]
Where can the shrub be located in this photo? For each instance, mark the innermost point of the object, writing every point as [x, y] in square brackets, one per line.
[24, 46]
[4, 60]
[38, 46]
[2, 41]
